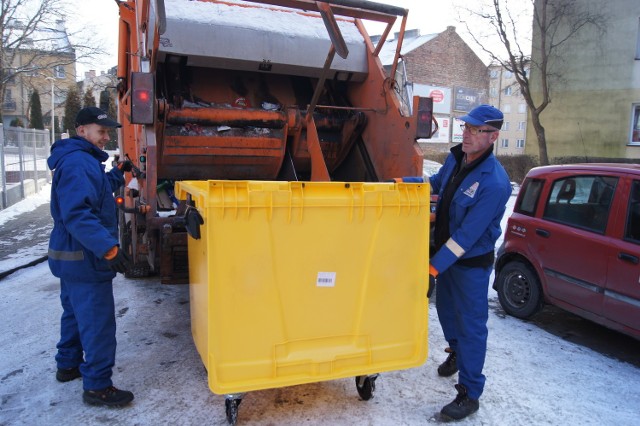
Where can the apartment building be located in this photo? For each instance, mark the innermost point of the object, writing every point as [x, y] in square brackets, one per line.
[505, 94]
[46, 62]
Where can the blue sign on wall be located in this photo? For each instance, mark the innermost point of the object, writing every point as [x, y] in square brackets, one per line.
[465, 99]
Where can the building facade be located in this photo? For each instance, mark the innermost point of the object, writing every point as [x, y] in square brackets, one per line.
[595, 110]
[441, 66]
[44, 62]
[505, 94]
[97, 83]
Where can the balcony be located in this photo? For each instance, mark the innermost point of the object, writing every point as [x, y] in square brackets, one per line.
[9, 105]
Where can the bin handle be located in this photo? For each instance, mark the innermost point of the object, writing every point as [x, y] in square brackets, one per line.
[193, 219]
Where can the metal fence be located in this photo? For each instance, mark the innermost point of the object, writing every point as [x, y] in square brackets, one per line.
[23, 163]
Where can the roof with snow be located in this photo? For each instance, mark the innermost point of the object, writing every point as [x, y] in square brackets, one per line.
[412, 40]
[52, 38]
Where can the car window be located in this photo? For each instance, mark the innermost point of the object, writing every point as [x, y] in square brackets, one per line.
[530, 195]
[632, 228]
[581, 201]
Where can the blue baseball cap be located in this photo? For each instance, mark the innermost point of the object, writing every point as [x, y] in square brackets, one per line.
[484, 115]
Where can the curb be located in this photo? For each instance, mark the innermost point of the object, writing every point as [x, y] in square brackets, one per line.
[26, 265]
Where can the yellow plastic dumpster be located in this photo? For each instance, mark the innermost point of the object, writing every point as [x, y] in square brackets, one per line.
[298, 282]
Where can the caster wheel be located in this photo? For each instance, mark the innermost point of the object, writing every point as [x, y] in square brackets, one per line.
[366, 386]
[231, 410]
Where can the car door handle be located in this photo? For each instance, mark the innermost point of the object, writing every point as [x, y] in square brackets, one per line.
[543, 232]
[628, 258]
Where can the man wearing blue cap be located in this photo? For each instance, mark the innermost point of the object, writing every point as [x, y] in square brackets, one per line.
[473, 190]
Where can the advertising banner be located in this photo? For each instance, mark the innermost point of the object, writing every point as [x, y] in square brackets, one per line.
[441, 96]
[456, 131]
[466, 99]
[444, 130]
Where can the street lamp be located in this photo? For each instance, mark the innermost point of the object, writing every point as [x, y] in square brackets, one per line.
[53, 106]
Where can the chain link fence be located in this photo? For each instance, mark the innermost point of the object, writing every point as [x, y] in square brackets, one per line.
[23, 163]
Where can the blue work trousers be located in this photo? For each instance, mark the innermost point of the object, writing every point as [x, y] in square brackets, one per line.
[88, 331]
[463, 311]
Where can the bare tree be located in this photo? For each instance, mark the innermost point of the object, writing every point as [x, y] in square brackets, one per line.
[555, 22]
[32, 42]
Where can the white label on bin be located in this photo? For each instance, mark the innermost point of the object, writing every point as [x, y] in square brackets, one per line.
[326, 279]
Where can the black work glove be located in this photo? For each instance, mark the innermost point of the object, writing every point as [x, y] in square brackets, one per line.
[432, 286]
[125, 166]
[118, 262]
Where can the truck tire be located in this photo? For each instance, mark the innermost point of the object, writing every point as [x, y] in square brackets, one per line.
[519, 290]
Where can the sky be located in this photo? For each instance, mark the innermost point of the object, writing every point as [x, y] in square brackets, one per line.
[430, 16]
[534, 377]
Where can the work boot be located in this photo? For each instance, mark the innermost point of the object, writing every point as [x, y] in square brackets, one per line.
[67, 374]
[110, 397]
[462, 406]
[450, 366]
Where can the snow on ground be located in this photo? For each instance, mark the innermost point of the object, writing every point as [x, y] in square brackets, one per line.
[27, 205]
[533, 377]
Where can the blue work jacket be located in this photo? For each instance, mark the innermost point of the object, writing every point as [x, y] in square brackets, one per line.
[83, 207]
[476, 209]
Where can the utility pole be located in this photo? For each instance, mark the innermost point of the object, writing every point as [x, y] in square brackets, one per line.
[53, 107]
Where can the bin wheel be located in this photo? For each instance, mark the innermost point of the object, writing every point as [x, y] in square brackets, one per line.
[231, 409]
[366, 386]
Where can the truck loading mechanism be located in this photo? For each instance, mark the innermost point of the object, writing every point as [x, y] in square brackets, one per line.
[253, 90]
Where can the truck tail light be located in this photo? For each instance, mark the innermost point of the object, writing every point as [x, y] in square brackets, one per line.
[424, 110]
[142, 98]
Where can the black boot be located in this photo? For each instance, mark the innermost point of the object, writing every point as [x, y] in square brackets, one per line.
[450, 366]
[110, 396]
[67, 374]
[462, 406]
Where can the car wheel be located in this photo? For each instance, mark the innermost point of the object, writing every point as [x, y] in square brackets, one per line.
[519, 290]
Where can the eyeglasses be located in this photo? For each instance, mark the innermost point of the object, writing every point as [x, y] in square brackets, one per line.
[474, 130]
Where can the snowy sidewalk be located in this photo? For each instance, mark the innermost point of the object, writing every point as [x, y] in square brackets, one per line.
[24, 233]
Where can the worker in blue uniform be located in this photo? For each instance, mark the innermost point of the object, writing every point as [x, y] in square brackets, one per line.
[84, 253]
[473, 190]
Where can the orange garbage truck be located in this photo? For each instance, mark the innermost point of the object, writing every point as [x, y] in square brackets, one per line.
[265, 137]
[289, 90]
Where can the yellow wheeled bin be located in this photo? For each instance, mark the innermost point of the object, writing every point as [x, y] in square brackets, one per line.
[299, 282]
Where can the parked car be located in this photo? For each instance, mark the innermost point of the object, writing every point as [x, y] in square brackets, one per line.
[573, 241]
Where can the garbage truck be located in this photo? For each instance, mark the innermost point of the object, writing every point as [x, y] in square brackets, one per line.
[265, 137]
[289, 90]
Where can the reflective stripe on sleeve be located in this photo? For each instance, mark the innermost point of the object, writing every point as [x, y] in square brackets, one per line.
[66, 255]
[455, 248]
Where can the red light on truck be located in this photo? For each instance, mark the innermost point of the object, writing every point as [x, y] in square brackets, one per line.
[143, 98]
[142, 95]
[424, 112]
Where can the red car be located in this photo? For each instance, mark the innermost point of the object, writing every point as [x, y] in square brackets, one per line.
[573, 241]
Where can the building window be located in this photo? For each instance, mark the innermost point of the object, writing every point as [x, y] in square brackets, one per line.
[522, 108]
[638, 41]
[493, 92]
[12, 76]
[635, 124]
[58, 71]
[493, 73]
[504, 143]
[508, 74]
[522, 125]
[506, 108]
[507, 91]
[505, 126]
[520, 143]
